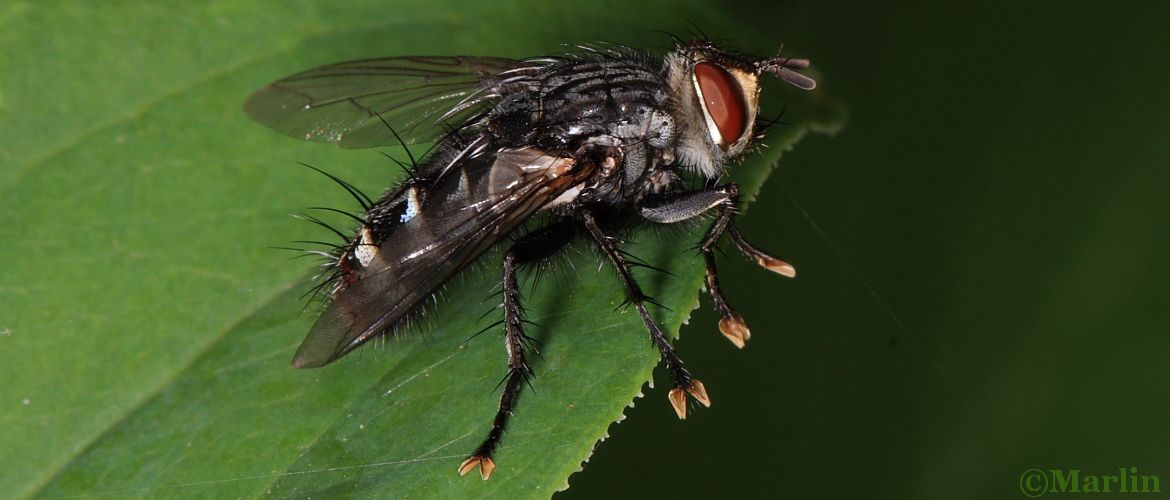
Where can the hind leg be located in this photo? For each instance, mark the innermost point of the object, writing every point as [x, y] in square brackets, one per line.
[532, 247]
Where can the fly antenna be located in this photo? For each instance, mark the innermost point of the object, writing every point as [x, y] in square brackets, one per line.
[782, 68]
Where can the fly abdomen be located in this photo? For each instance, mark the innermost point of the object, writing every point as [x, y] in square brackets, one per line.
[423, 238]
[511, 121]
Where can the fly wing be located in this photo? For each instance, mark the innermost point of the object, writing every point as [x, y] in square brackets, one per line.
[438, 233]
[417, 96]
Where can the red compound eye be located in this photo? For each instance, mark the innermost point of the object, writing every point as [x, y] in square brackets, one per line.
[723, 99]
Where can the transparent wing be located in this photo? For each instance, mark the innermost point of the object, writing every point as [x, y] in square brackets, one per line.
[464, 214]
[420, 97]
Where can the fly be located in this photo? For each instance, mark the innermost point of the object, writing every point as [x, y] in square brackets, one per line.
[592, 143]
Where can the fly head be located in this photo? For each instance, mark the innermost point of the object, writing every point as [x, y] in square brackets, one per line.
[716, 96]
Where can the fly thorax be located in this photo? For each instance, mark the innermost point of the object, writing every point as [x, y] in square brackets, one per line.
[660, 129]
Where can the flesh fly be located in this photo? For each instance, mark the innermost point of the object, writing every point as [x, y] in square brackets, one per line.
[587, 144]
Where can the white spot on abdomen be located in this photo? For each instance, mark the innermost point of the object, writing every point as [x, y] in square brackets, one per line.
[365, 250]
[412, 205]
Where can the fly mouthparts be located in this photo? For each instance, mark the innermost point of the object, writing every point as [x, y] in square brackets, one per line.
[782, 68]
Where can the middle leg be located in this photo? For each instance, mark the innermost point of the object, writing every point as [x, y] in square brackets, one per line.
[684, 383]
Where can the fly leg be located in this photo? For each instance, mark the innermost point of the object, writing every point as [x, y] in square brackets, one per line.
[731, 325]
[684, 383]
[723, 200]
[761, 257]
[532, 247]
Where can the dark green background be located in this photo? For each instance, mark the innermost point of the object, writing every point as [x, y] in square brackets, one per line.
[1002, 187]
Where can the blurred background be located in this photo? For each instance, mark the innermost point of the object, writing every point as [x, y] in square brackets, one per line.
[982, 253]
[982, 259]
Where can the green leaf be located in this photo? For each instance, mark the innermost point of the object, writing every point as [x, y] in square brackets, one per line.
[146, 326]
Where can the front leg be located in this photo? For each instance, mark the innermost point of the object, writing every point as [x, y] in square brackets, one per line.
[723, 200]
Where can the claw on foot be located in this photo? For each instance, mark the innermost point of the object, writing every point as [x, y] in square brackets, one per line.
[678, 398]
[484, 464]
[679, 401]
[735, 330]
[776, 265]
